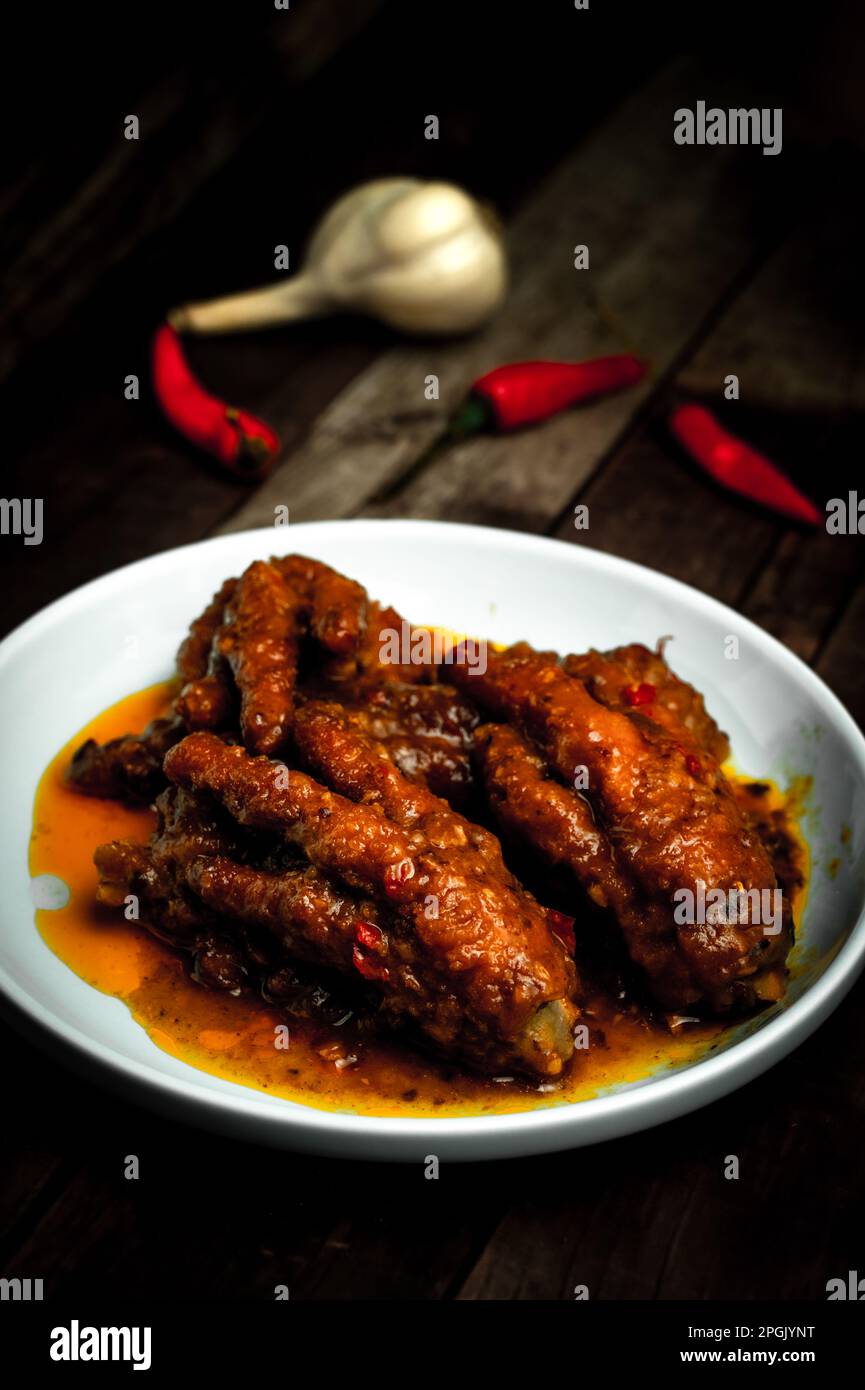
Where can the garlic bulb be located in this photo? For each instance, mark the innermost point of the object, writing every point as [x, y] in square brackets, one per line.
[423, 257]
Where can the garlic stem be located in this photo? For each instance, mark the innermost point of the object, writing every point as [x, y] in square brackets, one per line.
[300, 298]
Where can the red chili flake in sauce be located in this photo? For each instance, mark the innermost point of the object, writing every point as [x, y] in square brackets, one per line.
[397, 874]
[368, 966]
[693, 765]
[642, 694]
[563, 926]
[369, 938]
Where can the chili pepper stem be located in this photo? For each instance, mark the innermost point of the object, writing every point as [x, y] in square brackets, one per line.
[473, 417]
[300, 298]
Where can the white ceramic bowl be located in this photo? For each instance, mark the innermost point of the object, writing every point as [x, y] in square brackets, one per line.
[72, 660]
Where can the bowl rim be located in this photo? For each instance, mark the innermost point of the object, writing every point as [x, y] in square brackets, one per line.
[558, 1125]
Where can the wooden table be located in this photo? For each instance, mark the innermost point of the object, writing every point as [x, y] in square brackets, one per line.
[708, 262]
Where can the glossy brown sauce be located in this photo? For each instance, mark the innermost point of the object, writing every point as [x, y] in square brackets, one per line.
[328, 1067]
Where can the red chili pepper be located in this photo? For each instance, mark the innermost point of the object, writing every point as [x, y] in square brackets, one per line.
[369, 938]
[397, 874]
[368, 966]
[693, 765]
[523, 393]
[246, 446]
[735, 465]
[642, 694]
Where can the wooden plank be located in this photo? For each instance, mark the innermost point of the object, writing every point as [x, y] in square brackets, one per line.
[93, 454]
[842, 660]
[794, 344]
[368, 1256]
[211, 1217]
[524, 480]
[191, 122]
[241, 1222]
[206, 1217]
[800, 592]
[653, 1216]
[802, 378]
[692, 241]
[141, 489]
[648, 505]
[653, 505]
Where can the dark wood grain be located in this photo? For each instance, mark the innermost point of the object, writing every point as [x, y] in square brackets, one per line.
[355, 459]
[70, 436]
[191, 122]
[654, 1216]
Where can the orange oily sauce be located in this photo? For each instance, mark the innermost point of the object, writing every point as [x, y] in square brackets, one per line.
[235, 1037]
